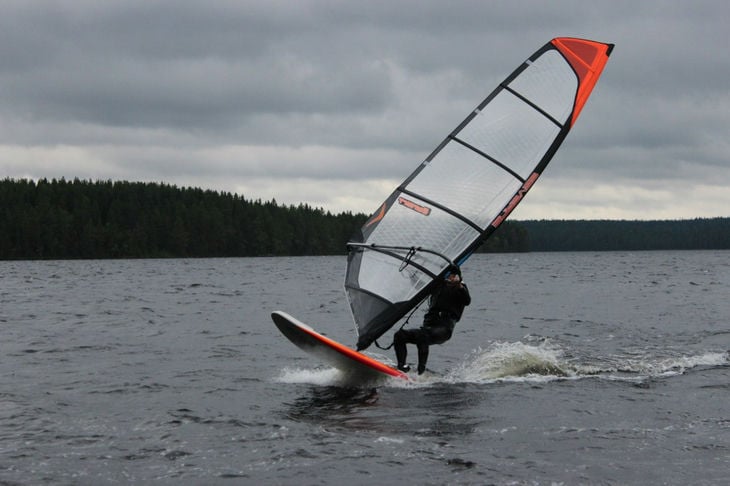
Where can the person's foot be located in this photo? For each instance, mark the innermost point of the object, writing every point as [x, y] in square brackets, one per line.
[421, 369]
[404, 368]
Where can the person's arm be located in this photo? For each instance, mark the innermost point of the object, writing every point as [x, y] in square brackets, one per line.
[465, 294]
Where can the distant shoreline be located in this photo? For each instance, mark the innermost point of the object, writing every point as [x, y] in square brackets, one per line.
[73, 220]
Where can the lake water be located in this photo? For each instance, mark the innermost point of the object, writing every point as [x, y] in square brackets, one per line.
[574, 368]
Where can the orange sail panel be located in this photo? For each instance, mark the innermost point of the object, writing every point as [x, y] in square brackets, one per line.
[588, 59]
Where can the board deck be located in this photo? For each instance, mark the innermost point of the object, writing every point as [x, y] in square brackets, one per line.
[331, 352]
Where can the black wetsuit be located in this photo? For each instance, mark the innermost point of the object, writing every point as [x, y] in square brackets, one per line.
[445, 308]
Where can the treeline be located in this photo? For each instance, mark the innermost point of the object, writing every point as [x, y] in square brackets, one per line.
[601, 235]
[60, 219]
[104, 219]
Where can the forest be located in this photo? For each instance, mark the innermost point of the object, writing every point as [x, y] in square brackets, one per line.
[103, 219]
[602, 235]
[62, 219]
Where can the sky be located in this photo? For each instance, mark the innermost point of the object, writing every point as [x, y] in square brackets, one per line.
[334, 103]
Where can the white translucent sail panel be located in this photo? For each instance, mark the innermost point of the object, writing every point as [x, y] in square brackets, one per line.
[382, 274]
[550, 83]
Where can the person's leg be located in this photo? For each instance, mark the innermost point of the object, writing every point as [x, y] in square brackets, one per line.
[399, 343]
[431, 335]
[422, 356]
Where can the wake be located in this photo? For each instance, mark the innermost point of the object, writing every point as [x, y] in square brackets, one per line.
[523, 363]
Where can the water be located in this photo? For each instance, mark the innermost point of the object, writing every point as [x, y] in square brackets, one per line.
[574, 368]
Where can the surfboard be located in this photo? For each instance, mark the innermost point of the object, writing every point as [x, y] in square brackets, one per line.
[331, 352]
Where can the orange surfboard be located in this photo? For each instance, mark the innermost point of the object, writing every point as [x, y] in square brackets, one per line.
[331, 352]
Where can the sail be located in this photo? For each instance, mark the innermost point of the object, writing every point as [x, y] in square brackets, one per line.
[468, 185]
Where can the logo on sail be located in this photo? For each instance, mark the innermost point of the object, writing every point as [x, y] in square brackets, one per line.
[416, 207]
[376, 217]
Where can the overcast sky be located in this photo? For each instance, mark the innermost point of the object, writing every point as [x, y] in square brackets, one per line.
[335, 103]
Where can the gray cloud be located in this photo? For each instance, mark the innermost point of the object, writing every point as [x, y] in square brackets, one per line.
[282, 94]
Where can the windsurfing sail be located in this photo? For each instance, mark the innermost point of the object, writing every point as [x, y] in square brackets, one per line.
[468, 185]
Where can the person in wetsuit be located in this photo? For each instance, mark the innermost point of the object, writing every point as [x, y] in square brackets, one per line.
[446, 305]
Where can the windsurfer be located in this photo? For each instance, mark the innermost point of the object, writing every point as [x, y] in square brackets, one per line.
[446, 305]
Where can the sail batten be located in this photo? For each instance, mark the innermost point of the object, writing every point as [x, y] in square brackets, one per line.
[443, 208]
[454, 200]
[534, 106]
[489, 158]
